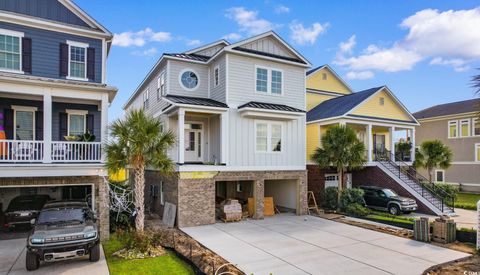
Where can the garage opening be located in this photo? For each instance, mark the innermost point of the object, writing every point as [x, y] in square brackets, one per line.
[233, 190]
[284, 194]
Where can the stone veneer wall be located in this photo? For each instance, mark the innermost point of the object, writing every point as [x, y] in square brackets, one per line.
[101, 194]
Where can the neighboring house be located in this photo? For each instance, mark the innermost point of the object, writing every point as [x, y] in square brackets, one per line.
[238, 111]
[457, 125]
[52, 85]
[379, 119]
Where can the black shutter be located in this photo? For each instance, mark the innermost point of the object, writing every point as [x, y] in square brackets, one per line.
[90, 123]
[27, 55]
[91, 63]
[63, 59]
[8, 122]
[63, 127]
[39, 125]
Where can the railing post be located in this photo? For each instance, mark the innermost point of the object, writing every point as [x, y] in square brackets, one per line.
[47, 127]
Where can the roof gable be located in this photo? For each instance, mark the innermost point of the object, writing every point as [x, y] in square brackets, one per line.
[324, 78]
[209, 49]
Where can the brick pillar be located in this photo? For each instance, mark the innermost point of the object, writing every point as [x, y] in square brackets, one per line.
[259, 196]
[302, 192]
[103, 208]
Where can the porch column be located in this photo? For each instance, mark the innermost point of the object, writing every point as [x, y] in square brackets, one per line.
[104, 123]
[224, 137]
[391, 131]
[369, 143]
[412, 140]
[47, 127]
[181, 136]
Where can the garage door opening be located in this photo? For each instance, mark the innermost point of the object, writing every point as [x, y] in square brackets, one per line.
[284, 194]
[237, 190]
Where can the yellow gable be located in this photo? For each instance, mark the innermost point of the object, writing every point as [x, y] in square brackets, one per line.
[373, 107]
[313, 99]
[325, 80]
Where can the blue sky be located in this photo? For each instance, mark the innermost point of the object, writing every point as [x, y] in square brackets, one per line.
[425, 51]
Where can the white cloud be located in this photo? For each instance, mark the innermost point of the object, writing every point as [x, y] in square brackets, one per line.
[302, 35]
[347, 46]
[148, 52]
[248, 21]
[281, 9]
[140, 38]
[447, 38]
[193, 42]
[362, 75]
[232, 36]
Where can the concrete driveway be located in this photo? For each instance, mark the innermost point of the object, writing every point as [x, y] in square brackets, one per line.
[287, 244]
[12, 261]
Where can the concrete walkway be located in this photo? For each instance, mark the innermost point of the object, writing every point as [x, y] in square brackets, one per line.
[12, 261]
[287, 244]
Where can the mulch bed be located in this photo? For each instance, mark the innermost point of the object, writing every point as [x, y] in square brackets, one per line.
[469, 265]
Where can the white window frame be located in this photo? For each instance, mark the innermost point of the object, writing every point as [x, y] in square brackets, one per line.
[452, 122]
[20, 35]
[239, 187]
[477, 147]
[146, 98]
[269, 136]
[381, 101]
[216, 76]
[443, 175]
[161, 87]
[180, 79]
[474, 120]
[269, 80]
[83, 113]
[79, 45]
[17, 108]
[461, 123]
[162, 198]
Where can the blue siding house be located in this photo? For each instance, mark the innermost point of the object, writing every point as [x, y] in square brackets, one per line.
[53, 103]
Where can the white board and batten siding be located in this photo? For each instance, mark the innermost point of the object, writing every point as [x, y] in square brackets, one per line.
[269, 45]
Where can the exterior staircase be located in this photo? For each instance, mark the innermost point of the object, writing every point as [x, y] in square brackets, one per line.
[425, 191]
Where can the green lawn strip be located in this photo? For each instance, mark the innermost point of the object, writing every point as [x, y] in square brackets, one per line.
[467, 201]
[166, 264]
[398, 219]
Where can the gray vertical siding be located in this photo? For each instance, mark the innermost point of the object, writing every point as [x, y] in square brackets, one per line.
[46, 50]
[46, 9]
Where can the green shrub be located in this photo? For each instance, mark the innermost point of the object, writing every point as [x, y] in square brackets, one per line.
[466, 205]
[450, 189]
[331, 197]
[122, 221]
[351, 196]
[357, 210]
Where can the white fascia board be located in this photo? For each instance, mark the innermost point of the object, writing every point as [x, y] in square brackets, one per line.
[273, 113]
[51, 170]
[226, 168]
[266, 58]
[84, 16]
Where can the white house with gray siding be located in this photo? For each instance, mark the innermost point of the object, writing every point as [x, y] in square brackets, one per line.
[238, 111]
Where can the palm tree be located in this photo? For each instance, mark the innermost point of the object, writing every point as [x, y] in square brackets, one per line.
[431, 154]
[138, 142]
[341, 149]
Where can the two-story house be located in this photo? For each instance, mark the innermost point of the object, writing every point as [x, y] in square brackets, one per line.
[53, 91]
[238, 111]
[457, 125]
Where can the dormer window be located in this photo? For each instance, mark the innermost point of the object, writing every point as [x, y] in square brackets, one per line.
[77, 60]
[10, 51]
[189, 79]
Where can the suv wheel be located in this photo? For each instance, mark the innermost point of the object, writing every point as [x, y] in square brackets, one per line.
[95, 253]
[393, 209]
[32, 262]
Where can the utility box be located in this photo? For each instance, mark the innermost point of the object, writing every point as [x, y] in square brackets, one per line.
[444, 230]
[421, 230]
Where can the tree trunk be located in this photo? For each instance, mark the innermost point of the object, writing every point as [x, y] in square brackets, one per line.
[139, 196]
[430, 175]
[340, 186]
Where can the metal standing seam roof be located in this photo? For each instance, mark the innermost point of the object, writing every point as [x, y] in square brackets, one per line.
[192, 56]
[340, 105]
[199, 101]
[270, 55]
[459, 107]
[270, 106]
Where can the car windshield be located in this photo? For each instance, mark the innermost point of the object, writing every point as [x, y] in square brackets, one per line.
[26, 203]
[61, 216]
[390, 193]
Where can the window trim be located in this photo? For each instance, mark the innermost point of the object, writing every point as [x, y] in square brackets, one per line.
[461, 122]
[161, 78]
[180, 79]
[162, 198]
[477, 148]
[146, 98]
[79, 45]
[16, 108]
[269, 137]
[83, 113]
[452, 122]
[443, 175]
[269, 80]
[216, 76]
[20, 35]
[474, 120]
[381, 101]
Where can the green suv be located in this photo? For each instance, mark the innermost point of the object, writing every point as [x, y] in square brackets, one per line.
[63, 230]
[385, 199]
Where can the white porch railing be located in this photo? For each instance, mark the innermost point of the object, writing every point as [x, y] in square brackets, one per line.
[21, 151]
[76, 151]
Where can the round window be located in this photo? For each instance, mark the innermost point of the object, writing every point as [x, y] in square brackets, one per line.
[189, 79]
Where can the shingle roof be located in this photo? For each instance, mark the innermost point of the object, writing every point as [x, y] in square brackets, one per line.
[193, 56]
[314, 69]
[196, 101]
[270, 55]
[270, 106]
[459, 107]
[340, 105]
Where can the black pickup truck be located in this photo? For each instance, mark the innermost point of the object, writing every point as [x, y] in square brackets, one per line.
[387, 200]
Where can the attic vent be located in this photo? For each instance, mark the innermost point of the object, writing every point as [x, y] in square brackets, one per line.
[324, 76]
[382, 101]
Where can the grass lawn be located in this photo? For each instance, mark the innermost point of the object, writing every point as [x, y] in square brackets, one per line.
[166, 264]
[467, 201]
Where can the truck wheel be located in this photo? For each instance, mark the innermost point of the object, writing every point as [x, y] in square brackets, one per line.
[393, 209]
[95, 253]
[32, 262]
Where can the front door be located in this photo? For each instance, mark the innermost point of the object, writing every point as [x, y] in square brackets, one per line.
[379, 145]
[193, 142]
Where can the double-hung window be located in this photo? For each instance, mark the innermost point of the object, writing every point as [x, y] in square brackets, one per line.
[24, 121]
[145, 99]
[453, 129]
[10, 51]
[77, 60]
[77, 122]
[464, 127]
[476, 127]
[268, 137]
[161, 86]
[216, 76]
[477, 152]
[268, 81]
[439, 176]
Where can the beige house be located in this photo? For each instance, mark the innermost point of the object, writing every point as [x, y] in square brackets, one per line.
[457, 125]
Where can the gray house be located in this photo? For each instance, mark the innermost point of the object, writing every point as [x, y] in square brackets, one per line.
[52, 91]
[457, 125]
[238, 111]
